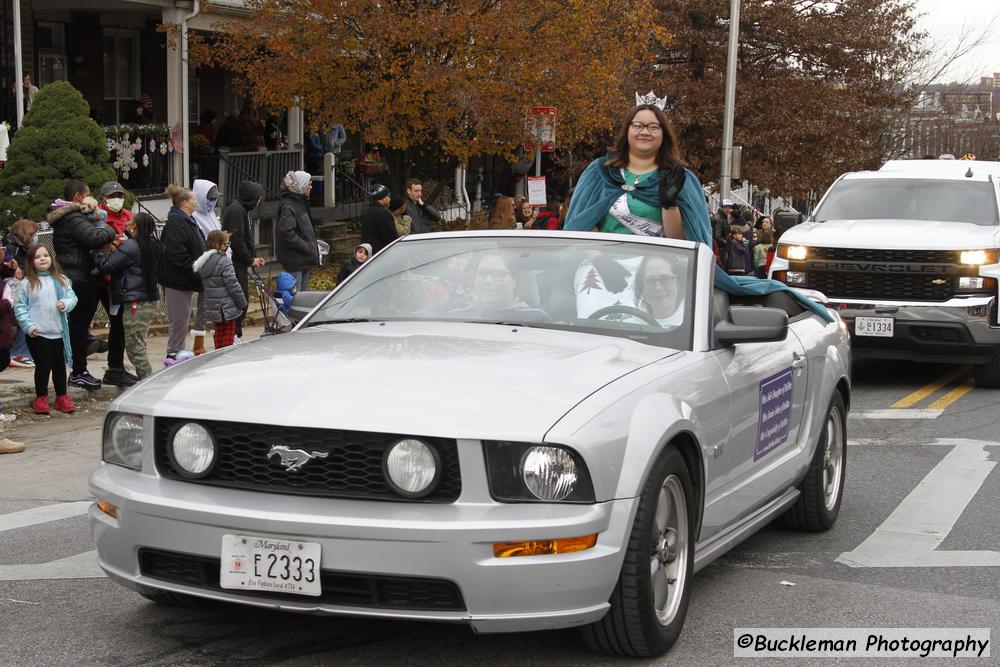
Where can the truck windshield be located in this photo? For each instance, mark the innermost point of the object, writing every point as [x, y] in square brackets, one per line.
[910, 199]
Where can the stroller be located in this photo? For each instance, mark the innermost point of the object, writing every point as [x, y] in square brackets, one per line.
[275, 321]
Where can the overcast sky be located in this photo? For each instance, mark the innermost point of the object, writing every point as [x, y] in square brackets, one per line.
[946, 21]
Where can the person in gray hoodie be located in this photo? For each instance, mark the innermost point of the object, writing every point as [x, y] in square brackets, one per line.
[224, 298]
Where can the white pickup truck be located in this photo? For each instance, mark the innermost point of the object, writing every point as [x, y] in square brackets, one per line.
[909, 256]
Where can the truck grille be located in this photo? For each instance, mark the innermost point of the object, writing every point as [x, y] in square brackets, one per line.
[351, 469]
[899, 287]
[865, 273]
[339, 588]
[870, 255]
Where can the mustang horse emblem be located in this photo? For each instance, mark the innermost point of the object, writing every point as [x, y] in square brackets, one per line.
[293, 459]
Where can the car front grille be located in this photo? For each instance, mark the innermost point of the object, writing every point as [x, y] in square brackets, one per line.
[351, 469]
[895, 287]
[338, 588]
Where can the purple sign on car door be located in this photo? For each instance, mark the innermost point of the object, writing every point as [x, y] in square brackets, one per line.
[775, 411]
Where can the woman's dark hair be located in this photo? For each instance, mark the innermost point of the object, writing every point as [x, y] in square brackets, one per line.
[149, 250]
[669, 154]
[640, 276]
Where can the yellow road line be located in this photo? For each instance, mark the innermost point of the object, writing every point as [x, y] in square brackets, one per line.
[953, 395]
[925, 391]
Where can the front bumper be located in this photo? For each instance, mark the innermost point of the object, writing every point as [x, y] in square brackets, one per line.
[961, 330]
[451, 542]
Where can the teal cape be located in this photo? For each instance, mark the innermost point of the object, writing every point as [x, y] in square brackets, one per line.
[600, 185]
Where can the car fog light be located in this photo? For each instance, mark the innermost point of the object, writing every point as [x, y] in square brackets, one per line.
[795, 278]
[412, 468]
[549, 472]
[193, 449]
[966, 282]
[122, 442]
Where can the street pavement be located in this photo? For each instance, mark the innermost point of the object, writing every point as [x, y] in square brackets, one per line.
[917, 545]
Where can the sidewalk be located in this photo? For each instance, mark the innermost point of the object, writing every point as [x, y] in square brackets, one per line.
[17, 385]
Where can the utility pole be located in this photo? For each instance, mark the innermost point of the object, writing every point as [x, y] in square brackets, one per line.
[725, 180]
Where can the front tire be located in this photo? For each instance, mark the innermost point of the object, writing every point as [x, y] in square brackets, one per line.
[822, 490]
[650, 600]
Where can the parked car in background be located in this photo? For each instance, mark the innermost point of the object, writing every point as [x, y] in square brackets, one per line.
[514, 430]
[910, 255]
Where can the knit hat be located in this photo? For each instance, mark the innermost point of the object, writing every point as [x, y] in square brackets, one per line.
[395, 201]
[297, 181]
[366, 246]
[379, 193]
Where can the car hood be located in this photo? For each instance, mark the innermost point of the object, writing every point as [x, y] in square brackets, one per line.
[429, 378]
[889, 234]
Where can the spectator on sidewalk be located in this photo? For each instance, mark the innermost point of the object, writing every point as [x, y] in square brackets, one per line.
[285, 289]
[224, 298]
[404, 223]
[113, 202]
[360, 256]
[74, 237]
[378, 227]
[422, 214]
[236, 221]
[295, 241]
[43, 300]
[739, 260]
[182, 243]
[23, 233]
[133, 267]
[206, 195]
[525, 215]
[503, 216]
[761, 250]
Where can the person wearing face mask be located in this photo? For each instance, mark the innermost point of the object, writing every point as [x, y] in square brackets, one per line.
[206, 194]
[182, 243]
[113, 201]
[237, 219]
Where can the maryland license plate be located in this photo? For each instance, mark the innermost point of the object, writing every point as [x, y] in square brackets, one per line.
[873, 326]
[257, 563]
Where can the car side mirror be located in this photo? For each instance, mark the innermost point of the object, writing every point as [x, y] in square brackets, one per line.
[747, 324]
[302, 303]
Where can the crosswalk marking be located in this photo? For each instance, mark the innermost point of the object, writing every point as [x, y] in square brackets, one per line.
[78, 566]
[43, 514]
[895, 413]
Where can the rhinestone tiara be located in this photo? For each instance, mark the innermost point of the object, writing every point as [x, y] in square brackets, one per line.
[651, 98]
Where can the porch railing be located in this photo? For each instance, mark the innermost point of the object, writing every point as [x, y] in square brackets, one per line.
[265, 167]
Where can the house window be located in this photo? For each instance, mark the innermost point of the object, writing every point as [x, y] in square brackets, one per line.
[121, 73]
[50, 40]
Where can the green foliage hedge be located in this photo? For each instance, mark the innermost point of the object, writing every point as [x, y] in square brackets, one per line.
[57, 143]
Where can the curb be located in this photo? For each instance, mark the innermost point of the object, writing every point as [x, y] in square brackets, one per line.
[24, 401]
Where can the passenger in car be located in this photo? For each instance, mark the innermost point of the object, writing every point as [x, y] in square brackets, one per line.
[494, 294]
[658, 291]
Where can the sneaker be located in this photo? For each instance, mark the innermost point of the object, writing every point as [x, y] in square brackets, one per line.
[21, 362]
[65, 404]
[119, 378]
[41, 405]
[93, 346]
[10, 447]
[84, 380]
[135, 378]
[170, 360]
[102, 345]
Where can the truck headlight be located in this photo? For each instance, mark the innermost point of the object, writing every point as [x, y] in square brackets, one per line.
[412, 468]
[793, 252]
[193, 450]
[122, 441]
[978, 257]
[526, 472]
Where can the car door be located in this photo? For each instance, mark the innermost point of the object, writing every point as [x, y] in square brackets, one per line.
[767, 384]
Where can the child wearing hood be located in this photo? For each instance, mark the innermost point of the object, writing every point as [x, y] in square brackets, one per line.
[285, 288]
[360, 256]
[224, 298]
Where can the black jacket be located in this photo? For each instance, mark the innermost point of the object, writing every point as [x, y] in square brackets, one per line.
[236, 221]
[73, 237]
[17, 249]
[182, 243]
[295, 238]
[378, 227]
[124, 265]
[422, 216]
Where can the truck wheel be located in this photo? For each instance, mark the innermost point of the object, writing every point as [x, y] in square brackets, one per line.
[649, 602]
[988, 375]
[822, 489]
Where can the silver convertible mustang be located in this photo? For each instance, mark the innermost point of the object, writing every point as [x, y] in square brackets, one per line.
[514, 430]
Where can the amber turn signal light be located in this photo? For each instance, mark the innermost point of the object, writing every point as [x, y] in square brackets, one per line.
[562, 545]
[107, 508]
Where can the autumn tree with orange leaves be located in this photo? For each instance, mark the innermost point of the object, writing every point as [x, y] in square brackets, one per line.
[456, 74]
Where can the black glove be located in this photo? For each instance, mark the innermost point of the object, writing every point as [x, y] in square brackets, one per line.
[613, 275]
[671, 183]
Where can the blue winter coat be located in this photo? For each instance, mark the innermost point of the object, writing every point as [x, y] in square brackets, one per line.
[22, 310]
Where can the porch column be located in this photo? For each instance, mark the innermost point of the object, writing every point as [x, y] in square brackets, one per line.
[176, 114]
[296, 132]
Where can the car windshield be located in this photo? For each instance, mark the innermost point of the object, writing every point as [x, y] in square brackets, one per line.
[634, 290]
[910, 199]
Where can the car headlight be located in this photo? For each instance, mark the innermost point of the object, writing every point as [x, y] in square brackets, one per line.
[122, 441]
[412, 468]
[193, 450]
[978, 257]
[526, 472]
[793, 252]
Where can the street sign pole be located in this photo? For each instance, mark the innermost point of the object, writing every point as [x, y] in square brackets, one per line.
[725, 174]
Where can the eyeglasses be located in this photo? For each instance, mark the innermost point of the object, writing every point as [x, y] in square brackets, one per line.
[653, 128]
[493, 276]
[661, 281]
